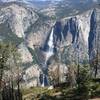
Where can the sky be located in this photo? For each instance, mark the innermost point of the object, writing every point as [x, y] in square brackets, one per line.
[44, 0]
[27, 0]
[59, 0]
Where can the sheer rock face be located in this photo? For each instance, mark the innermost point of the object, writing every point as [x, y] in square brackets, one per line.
[94, 33]
[80, 33]
[25, 54]
[18, 18]
[73, 31]
[31, 76]
[94, 42]
[15, 20]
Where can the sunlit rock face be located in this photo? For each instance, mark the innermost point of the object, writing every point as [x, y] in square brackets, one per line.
[18, 17]
[84, 26]
[71, 28]
[25, 54]
[15, 21]
[54, 70]
[31, 76]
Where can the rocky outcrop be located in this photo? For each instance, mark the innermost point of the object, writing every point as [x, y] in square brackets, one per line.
[15, 20]
[31, 76]
[18, 18]
[25, 54]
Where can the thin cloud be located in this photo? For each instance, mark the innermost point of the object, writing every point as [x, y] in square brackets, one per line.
[95, 0]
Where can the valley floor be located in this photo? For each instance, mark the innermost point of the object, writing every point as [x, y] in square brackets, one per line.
[95, 99]
[38, 93]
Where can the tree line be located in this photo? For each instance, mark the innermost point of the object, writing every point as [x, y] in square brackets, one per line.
[10, 72]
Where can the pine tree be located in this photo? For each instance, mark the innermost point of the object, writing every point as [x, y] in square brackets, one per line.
[9, 62]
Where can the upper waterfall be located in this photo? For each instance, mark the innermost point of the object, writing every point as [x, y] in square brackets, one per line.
[50, 43]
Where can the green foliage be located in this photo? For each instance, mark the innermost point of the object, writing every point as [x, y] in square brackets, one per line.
[69, 57]
[34, 55]
[8, 57]
[4, 56]
[95, 63]
[94, 89]
[9, 61]
[83, 76]
[53, 17]
[83, 81]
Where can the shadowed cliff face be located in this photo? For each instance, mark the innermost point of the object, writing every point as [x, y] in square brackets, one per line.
[92, 35]
[57, 32]
[72, 28]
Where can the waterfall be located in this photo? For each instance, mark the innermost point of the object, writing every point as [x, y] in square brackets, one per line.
[50, 42]
[43, 84]
[49, 51]
[51, 46]
[45, 80]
